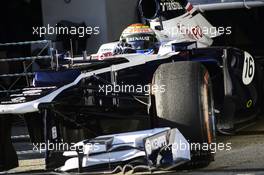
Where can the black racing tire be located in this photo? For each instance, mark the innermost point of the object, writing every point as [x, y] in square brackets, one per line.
[8, 156]
[186, 104]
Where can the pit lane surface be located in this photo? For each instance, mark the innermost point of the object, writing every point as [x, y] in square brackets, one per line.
[245, 158]
[247, 150]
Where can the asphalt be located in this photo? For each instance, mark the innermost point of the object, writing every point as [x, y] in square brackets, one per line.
[247, 150]
[244, 158]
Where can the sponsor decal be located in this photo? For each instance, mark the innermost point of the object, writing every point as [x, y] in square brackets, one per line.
[32, 92]
[197, 32]
[54, 132]
[140, 38]
[170, 5]
[249, 103]
[156, 142]
[106, 50]
[102, 56]
[18, 100]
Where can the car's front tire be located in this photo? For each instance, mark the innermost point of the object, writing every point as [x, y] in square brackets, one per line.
[186, 104]
[8, 156]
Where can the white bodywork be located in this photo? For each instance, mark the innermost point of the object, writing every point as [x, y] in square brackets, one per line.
[135, 144]
[186, 28]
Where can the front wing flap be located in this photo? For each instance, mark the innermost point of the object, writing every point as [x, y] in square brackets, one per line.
[157, 148]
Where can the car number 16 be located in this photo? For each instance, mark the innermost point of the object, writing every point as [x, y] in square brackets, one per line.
[248, 69]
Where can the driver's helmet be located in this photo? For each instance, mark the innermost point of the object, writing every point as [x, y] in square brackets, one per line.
[140, 37]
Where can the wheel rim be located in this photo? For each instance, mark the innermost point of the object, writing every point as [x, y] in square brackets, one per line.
[208, 108]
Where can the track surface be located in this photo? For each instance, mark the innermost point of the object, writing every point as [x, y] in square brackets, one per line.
[245, 158]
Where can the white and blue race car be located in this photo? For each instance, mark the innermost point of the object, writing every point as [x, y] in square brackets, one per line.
[165, 74]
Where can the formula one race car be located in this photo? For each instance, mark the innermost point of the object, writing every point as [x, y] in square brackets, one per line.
[153, 77]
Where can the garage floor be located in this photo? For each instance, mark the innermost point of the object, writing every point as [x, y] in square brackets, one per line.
[246, 156]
